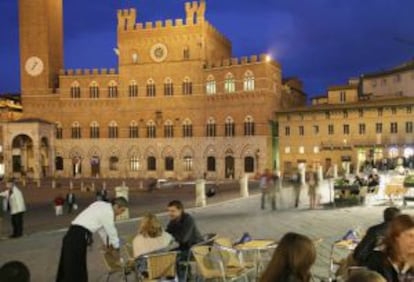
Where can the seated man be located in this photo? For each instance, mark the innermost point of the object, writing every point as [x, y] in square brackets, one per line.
[184, 230]
[374, 236]
[182, 226]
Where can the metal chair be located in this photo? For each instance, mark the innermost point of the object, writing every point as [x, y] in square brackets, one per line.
[159, 266]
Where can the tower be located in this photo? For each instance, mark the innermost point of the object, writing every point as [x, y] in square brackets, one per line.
[41, 46]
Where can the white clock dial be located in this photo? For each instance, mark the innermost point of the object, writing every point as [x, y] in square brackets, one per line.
[34, 66]
[159, 52]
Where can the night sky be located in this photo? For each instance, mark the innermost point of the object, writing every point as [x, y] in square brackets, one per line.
[324, 42]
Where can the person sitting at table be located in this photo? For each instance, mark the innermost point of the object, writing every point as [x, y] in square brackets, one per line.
[292, 260]
[151, 236]
[374, 236]
[396, 261]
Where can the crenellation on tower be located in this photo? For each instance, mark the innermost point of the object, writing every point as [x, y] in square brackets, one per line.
[127, 19]
[240, 62]
[148, 25]
[169, 23]
[158, 24]
[87, 72]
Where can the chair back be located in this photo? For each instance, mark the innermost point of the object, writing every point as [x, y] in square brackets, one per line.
[161, 265]
[231, 257]
[209, 266]
[112, 265]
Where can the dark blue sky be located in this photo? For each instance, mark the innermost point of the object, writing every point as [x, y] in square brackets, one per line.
[322, 41]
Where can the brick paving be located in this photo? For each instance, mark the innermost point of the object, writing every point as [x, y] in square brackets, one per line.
[40, 251]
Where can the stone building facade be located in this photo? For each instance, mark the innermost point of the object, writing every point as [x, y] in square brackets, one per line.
[178, 105]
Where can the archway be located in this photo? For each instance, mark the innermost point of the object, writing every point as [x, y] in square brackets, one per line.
[76, 166]
[22, 155]
[229, 167]
[95, 166]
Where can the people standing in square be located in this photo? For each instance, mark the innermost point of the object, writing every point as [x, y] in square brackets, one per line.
[16, 207]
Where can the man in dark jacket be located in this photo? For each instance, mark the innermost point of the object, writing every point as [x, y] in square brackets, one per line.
[182, 226]
[373, 236]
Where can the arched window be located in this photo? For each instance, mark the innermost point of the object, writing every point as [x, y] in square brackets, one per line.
[188, 163]
[211, 164]
[113, 163]
[134, 163]
[151, 91]
[151, 164]
[169, 164]
[113, 130]
[59, 131]
[75, 91]
[112, 89]
[248, 164]
[133, 129]
[151, 129]
[134, 57]
[133, 89]
[229, 130]
[229, 83]
[187, 128]
[248, 83]
[76, 130]
[59, 163]
[187, 86]
[94, 90]
[211, 128]
[168, 87]
[94, 130]
[168, 129]
[211, 85]
[248, 126]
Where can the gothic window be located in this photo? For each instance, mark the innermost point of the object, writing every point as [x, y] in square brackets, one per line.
[211, 128]
[168, 129]
[133, 130]
[94, 90]
[151, 129]
[229, 83]
[211, 85]
[113, 163]
[211, 164]
[248, 83]
[75, 91]
[187, 128]
[151, 164]
[134, 164]
[94, 130]
[188, 163]
[187, 86]
[59, 131]
[112, 89]
[248, 164]
[151, 90]
[113, 130]
[169, 164]
[186, 53]
[248, 126]
[229, 128]
[168, 87]
[133, 89]
[76, 130]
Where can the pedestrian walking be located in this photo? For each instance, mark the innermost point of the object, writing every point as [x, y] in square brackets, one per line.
[313, 184]
[59, 202]
[264, 187]
[71, 201]
[98, 217]
[15, 206]
[297, 185]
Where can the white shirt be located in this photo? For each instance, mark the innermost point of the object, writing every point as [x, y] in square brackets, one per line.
[15, 200]
[143, 245]
[99, 217]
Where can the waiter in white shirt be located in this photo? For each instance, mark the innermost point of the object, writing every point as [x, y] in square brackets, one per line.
[16, 206]
[98, 217]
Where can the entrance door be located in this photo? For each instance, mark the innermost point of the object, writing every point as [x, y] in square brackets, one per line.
[229, 172]
[95, 166]
[76, 166]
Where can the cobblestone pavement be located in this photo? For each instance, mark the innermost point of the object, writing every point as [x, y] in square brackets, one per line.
[40, 251]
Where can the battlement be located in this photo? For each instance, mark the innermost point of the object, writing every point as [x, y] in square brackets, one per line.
[195, 14]
[243, 61]
[87, 72]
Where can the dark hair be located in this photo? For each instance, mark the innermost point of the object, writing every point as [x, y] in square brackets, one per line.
[293, 257]
[14, 271]
[366, 276]
[390, 213]
[121, 202]
[177, 204]
[397, 226]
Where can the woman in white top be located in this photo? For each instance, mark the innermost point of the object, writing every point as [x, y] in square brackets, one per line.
[151, 237]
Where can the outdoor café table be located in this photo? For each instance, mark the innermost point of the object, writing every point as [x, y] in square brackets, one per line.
[256, 247]
[346, 245]
[394, 190]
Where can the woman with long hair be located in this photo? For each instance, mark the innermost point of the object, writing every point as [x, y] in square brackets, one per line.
[292, 260]
[151, 236]
[396, 261]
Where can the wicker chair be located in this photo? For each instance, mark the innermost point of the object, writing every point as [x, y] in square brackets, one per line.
[159, 266]
[212, 264]
[115, 266]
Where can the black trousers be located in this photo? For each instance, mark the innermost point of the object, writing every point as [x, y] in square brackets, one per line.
[17, 224]
[72, 263]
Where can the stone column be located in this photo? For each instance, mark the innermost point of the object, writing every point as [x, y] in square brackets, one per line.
[335, 171]
[244, 186]
[320, 173]
[200, 193]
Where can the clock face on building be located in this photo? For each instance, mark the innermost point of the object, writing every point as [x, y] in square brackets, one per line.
[159, 52]
[34, 66]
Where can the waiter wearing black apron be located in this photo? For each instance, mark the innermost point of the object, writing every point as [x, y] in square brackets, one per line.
[98, 217]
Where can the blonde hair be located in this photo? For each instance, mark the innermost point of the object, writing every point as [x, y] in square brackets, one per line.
[150, 226]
